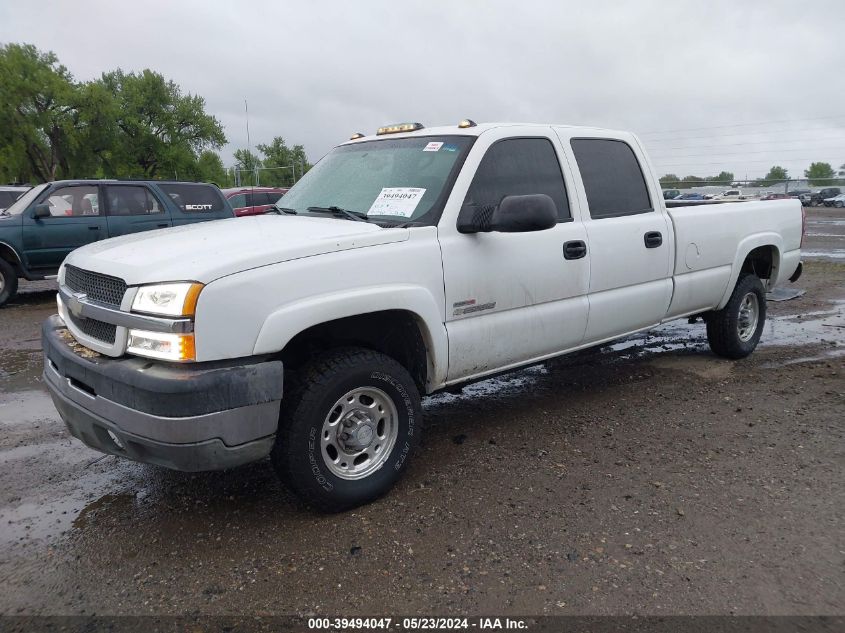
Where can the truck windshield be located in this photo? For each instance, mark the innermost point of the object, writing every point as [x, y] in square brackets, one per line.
[387, 180]
[25, 200]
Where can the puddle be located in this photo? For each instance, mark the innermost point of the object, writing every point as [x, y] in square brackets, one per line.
[834, 254]
[104, 504]
[20, 369]
[827, 222]
[30, 451]
[808, 328]
[499, 387]
[22, 408]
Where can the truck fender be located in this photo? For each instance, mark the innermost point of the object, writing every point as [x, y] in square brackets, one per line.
[289, 320]
[747, 245]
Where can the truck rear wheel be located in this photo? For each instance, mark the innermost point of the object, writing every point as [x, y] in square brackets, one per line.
[8, 282]
[734, 331]
[350, 421]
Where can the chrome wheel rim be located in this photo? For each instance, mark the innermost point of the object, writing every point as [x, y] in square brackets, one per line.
[359, 433]
[2, 282]
[749, 314]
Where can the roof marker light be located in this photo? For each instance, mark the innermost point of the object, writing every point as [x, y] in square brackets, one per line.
[356, 136]
[466, 123]
[399, 127]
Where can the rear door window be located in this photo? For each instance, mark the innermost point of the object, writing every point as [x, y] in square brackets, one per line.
[197, 198]
[131, 200]
[613, 179]
[516, 167]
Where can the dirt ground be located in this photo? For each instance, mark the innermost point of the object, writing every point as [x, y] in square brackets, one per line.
[648, 478]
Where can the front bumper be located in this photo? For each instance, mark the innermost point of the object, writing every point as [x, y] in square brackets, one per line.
[191, 417]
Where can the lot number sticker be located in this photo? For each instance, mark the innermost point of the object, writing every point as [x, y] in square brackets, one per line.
[433, 146]
[398, 201]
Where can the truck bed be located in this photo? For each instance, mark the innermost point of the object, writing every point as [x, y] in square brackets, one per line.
[709, 239]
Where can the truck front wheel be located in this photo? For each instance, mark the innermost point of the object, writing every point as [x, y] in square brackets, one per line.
[734, 331]
[349, 424]
[8, 281]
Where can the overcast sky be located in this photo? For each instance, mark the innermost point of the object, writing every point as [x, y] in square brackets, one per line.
[769, 73]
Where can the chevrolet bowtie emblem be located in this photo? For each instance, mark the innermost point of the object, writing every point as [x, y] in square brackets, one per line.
[74, 303]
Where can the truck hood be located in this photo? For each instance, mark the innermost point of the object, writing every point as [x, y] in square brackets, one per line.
[209, 250]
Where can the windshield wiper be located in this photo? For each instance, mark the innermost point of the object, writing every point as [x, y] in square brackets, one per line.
[357, 216]
[280, 210]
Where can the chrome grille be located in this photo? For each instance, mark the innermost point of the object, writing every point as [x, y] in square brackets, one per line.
[99, 330]
[103, 288]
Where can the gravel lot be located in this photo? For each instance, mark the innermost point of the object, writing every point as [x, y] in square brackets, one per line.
[648, 478]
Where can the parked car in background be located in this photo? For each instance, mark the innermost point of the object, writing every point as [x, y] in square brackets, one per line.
[836, 201]
[806, 199]
[10, 193]
[735, 194]
[253, 200]
[671, 194]
[828, 192]
[797, 193]
[49, 221]
[776, 196]
[691, 196]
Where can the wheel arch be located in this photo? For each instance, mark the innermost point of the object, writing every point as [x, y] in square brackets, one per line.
[402, 322]
[759, 254]
[9, 254]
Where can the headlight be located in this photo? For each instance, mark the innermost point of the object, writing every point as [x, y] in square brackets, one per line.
[176, 299]
[162, 345]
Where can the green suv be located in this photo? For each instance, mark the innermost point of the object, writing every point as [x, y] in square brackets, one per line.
[50, 220]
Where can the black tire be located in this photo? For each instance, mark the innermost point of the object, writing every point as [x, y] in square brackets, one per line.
[724, 326]
[298, 455]
[8, 282]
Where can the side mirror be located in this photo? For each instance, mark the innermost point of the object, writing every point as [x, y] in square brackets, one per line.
[520, 214]
[514, 214]
[41, 211]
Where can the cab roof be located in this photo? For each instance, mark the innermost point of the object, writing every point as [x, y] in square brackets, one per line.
[477, 130]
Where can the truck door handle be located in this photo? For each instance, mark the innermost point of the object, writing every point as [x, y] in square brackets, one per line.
[576, 249]
[94, 228]
[653, 239]
[163, 225]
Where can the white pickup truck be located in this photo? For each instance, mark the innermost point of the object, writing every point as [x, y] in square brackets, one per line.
[404, 263]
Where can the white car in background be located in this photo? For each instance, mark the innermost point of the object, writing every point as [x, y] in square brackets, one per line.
[835, 201]
[10, 193]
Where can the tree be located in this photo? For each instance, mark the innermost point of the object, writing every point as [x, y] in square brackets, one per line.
[775, 175]
[160, 131]
[210, 169]
[669, 181]
[819, 174]
[724, 178]
[283, 163]
[691, 181]
[246, 164]
[37, 120]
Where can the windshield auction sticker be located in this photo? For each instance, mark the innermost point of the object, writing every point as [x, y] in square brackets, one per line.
[398, 201]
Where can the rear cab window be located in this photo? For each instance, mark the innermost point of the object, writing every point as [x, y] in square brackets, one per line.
[196, 199]
[612, 176]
